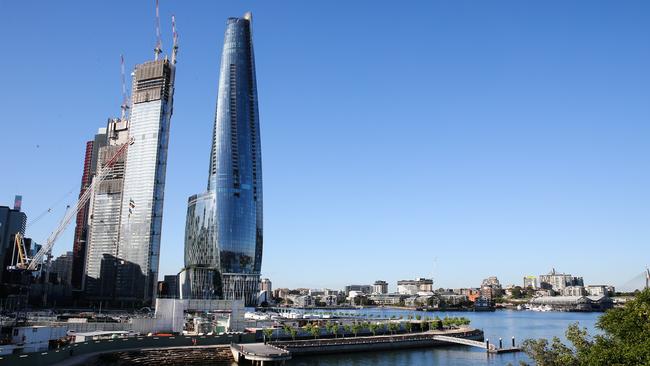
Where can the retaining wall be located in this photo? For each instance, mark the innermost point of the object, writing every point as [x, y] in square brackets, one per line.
[108, 345]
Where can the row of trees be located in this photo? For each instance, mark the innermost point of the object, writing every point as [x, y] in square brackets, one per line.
[355, 328]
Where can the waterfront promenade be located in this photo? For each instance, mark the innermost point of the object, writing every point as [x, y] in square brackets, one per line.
[383, 342]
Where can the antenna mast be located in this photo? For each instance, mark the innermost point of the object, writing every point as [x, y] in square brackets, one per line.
[175, 37]
[158, 50]
[125, 98]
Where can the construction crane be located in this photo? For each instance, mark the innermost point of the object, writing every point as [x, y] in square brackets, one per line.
[158, 50]
[22, 261]
[175, 37]
[125, 98]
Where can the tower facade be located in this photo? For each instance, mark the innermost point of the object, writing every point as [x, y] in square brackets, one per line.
[223, 239]
[104, 217]
[141, 209]
[81, 230]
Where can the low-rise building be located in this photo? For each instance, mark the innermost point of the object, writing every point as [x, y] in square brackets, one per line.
[600, 290]
[453, 299]
[574, 291]
[328, 300]
[302, 301]
[366, 289]
[574, 303]
[412, 287]
[386, 299]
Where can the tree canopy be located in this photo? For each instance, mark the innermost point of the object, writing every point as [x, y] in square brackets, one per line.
[625, 339]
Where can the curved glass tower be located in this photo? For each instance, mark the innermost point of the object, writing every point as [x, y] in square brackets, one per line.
[223, 253]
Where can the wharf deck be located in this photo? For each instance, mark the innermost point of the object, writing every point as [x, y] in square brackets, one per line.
[259, 352]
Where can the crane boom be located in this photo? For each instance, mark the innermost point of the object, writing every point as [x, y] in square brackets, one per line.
[99, 178]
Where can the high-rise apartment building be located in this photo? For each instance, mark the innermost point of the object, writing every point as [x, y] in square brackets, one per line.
[266, 285]
[223, 235]
[143, 192]
[12, 222]
[380, 287]
[558, 281]
[104, 217]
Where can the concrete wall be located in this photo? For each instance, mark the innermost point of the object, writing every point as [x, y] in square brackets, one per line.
[57, 355]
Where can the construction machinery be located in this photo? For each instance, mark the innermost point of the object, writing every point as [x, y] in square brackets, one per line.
[22, 261]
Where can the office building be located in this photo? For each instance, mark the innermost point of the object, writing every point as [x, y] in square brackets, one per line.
[143, 192]
[62, 268]
[104, 215]
[223, 234]
[12, 222]
[80, 242]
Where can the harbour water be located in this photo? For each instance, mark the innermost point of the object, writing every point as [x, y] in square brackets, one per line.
[502, 323]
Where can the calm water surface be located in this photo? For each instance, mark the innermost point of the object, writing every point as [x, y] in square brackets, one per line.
[503, 323]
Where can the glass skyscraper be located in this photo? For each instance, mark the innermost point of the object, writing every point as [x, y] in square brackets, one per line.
[104, 217]
[144, 181]
[223, 236]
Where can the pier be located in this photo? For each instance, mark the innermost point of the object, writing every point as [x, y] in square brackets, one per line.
[259, 353]
[490, 348]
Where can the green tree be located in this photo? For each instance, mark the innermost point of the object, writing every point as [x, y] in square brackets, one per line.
[268, 333]
[333, 328]
[347, 328]
[356, 327]
[517, 293]
[286, 329]
[314, 330]
[624, 339]
[409, 326]
[293, 332]
[392, 327]
[418, 317]
[373, 327]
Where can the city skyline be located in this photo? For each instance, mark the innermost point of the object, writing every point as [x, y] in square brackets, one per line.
[501, 147]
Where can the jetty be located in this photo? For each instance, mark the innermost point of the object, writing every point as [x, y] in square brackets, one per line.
[490, 348]
[259, 353]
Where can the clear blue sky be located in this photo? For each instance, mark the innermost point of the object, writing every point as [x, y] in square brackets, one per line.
[455, 139]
